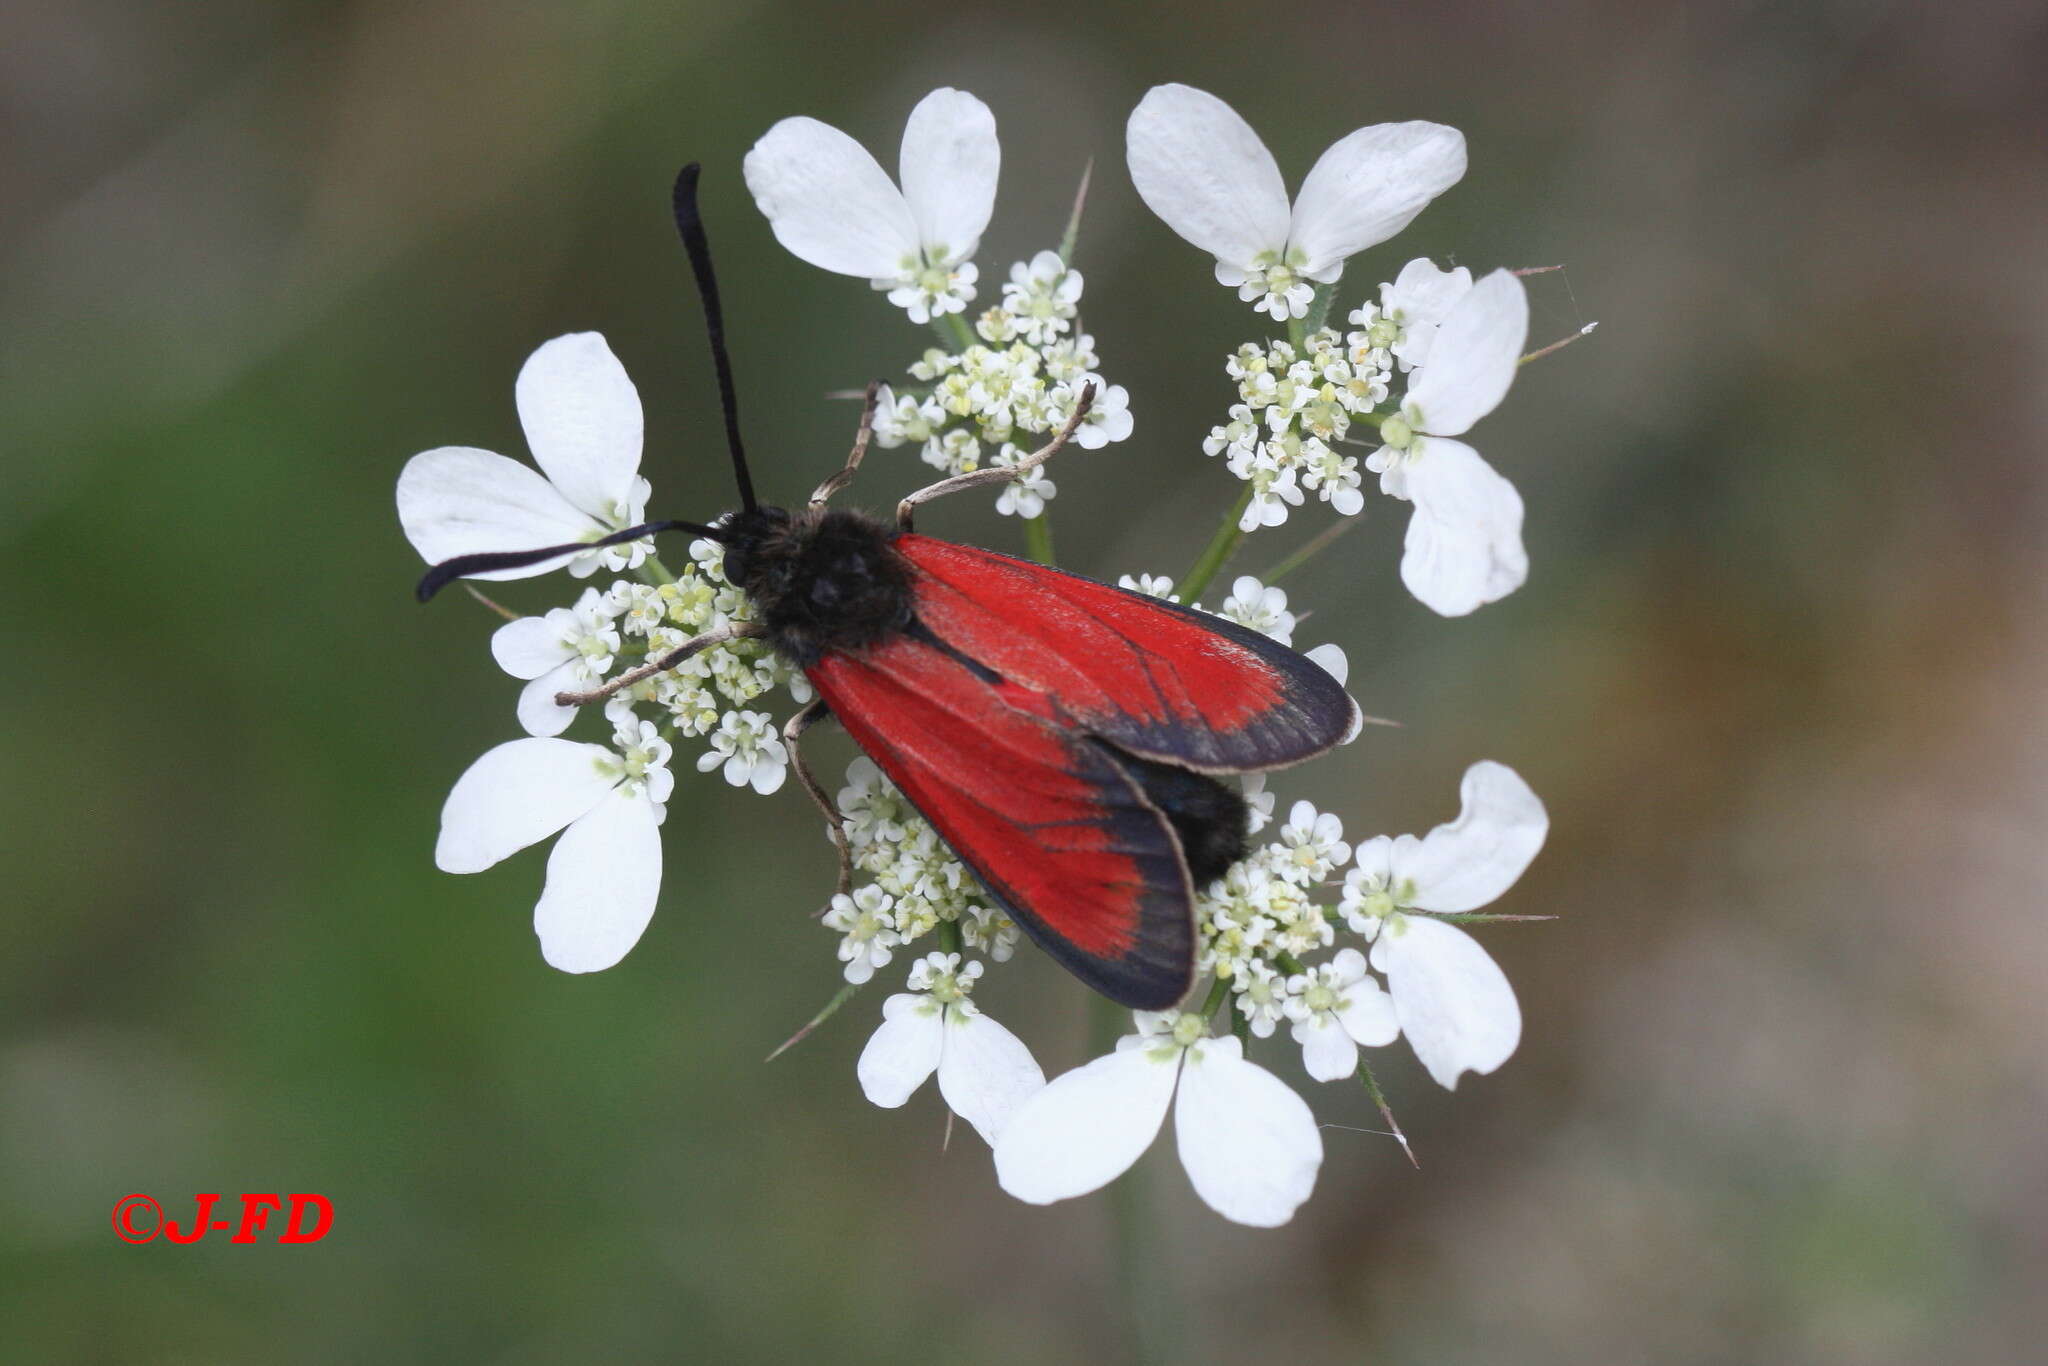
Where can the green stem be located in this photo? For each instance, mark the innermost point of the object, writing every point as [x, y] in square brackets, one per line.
[839, 998]
[949, 936]
[1218, 989]
[1073, 232]
[1319, 309]
[1372, 1088]
[953, 331]
[1217, 553]
[653, 571]
[1323, 540]
[1147, 1296]
[1038, 538]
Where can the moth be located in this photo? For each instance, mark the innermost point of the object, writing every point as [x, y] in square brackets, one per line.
[1068, 740]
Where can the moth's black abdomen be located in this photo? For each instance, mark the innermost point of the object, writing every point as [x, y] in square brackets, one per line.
[1211, 819]
[821, 579]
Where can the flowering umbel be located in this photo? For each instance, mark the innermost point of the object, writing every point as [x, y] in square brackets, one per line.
[1345, 947]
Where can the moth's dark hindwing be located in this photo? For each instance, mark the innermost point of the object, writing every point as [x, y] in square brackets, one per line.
[821, 579]
[1210, 819]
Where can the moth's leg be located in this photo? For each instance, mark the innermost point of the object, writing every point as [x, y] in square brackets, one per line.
[840, 480]
[835, 824]
[995, 474]
[717, 636]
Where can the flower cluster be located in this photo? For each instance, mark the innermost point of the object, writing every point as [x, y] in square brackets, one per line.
[916, 886]
[582, 419]
[1017, 374]
[1346, 946]
[1433, 354]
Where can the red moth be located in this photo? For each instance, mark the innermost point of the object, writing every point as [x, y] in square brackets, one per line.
[1062, 736]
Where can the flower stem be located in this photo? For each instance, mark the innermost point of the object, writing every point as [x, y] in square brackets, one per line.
[1372, 1088]
[1150, 1308]
[1218, 552]
[1073, 232]
[839, 998]
[1322, 542]
[953, 331]
[1318, 311]
[653, 571]
[1038, 538]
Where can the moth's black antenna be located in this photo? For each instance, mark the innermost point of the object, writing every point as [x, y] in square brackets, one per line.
[691, 225]
[446, 572]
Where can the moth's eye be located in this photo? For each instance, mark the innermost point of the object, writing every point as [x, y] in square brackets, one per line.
[824, 592]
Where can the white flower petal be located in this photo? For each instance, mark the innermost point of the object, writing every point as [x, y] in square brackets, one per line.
[1473, 359]
[1423, 294]
[517, 794]
[582, 420]
[529, 647]
[1249, 1143]
[604, 875]
[949, 163]
[1375, 858]
[1331, 660]
[1368, 186]
[829, 202]
[986, 1073]
[1369, 1015]
[1202, 169]
[1467, 863]
[1327, 1052]
[1085, 1128]
[537, 712]
[458, 500]
[1464, 543]
[903, 1051]
[1453, 1001]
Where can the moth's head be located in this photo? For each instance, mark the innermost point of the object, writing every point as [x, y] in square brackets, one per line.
[755, 539]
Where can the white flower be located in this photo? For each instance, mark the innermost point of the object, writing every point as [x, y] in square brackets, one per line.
[1151, 585]
[1260, 608]
[582, 421]
[1311, 845]
[1203, 170]
[1412, 308]
[1248, 1142]
[1336, 1007]
[869, 927]
[1333, 476]
[1256, 797]
[568, 650]
[749, 746]
[1464, 543]
[1452, 1000]
[605, 871]
[1028, 493]
[873, 808]
[1109, 417]
[1261, 996]
[985, 1071]
[831, 204]
[1039, 301]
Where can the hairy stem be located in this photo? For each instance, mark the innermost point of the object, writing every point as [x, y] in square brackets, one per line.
[1217, 553]
[1038, 538]
[1323, 540]
[953, 331]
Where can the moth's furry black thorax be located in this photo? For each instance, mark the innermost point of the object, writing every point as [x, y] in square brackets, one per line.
[821, 579]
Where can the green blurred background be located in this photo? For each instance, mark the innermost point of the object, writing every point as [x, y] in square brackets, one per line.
[1777, 672]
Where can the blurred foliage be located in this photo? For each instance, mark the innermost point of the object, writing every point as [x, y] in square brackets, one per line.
[1778, 674]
